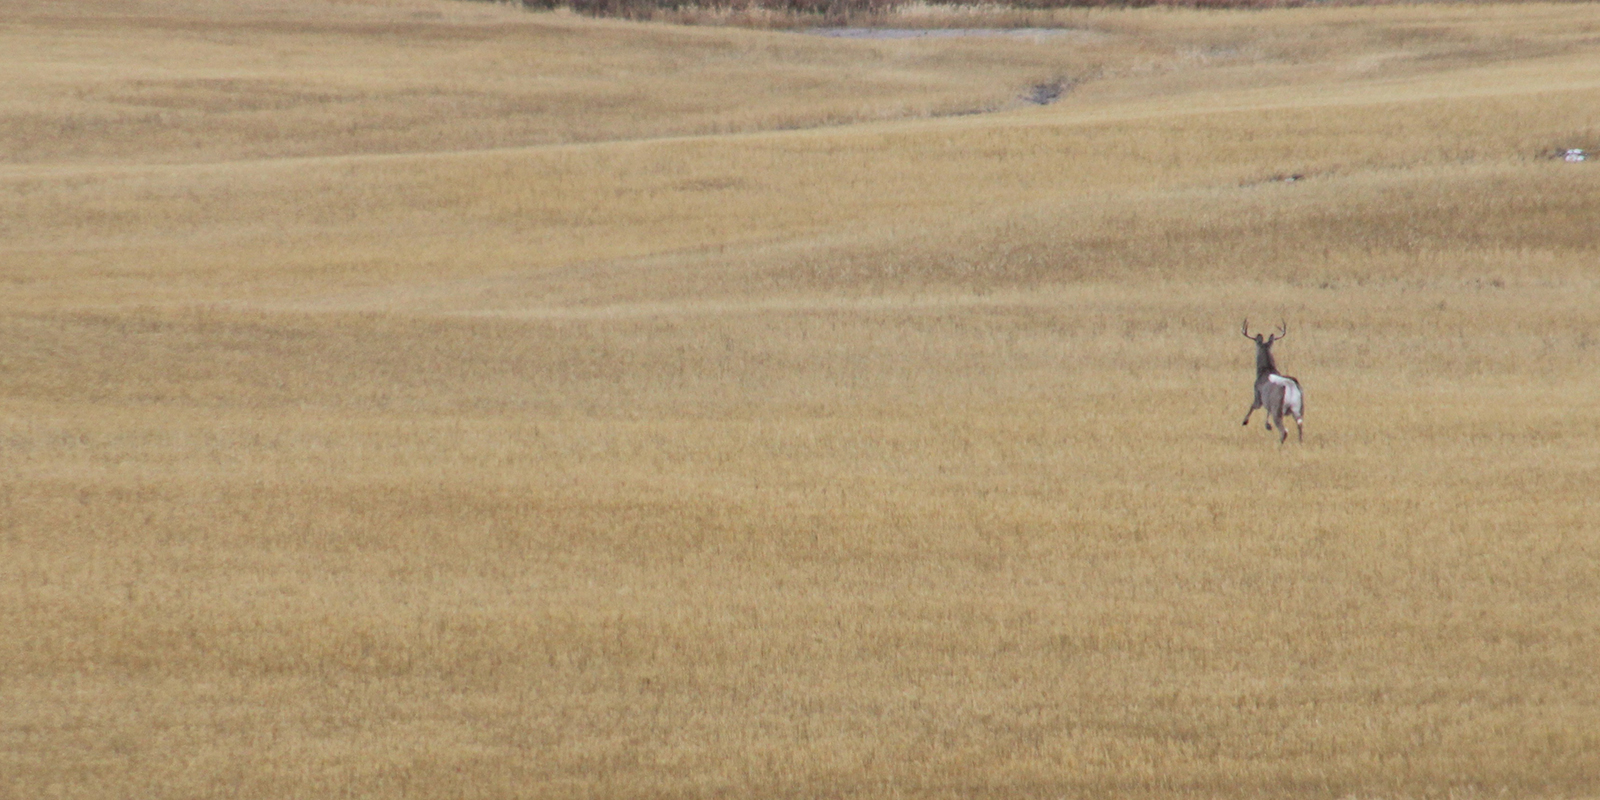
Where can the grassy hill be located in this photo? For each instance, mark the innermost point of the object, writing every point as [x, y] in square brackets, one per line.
[408, 398]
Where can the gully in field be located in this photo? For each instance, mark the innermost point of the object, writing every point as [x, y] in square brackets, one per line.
[1277, 392]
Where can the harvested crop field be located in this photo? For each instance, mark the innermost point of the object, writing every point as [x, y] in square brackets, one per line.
[407, 398]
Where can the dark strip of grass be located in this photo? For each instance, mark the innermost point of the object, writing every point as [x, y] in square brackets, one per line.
[812, 13]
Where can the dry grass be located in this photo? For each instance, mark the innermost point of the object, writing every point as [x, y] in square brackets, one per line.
[360, 441]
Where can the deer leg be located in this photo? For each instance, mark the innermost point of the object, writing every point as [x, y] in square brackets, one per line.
[1273, 402]
[1255, 403]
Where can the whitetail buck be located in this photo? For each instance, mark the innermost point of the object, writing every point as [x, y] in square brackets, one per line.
[1277, 392]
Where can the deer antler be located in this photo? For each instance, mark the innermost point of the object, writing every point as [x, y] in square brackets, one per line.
[1245, 329]
[1283, 330]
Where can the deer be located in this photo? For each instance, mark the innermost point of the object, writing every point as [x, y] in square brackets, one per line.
[1275, 391]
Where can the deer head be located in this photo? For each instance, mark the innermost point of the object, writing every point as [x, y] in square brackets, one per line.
[1264, 362]
[1283, 330]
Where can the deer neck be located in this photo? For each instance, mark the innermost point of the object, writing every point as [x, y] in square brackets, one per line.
[1264, 364]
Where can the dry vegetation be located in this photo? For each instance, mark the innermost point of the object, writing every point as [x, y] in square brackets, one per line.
[412, 399]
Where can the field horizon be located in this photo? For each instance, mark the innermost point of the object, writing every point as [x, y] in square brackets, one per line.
[440, 399]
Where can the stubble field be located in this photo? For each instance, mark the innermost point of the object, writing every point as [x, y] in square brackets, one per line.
[420, 399]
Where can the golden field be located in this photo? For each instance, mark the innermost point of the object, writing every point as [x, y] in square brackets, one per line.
[404, 398]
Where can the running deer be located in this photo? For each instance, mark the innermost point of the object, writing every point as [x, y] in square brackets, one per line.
[1276, 391]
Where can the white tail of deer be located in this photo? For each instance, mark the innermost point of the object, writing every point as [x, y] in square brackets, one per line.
[1275, 391]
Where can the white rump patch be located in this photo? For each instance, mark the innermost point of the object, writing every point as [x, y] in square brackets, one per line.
[1291, 392]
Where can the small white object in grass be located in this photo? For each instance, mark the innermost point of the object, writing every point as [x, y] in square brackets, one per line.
[1575, 155]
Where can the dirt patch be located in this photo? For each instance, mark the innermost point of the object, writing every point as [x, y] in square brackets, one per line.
[1043, 94]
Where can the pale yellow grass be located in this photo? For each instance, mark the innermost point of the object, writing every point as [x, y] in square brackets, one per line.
[386, 447]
